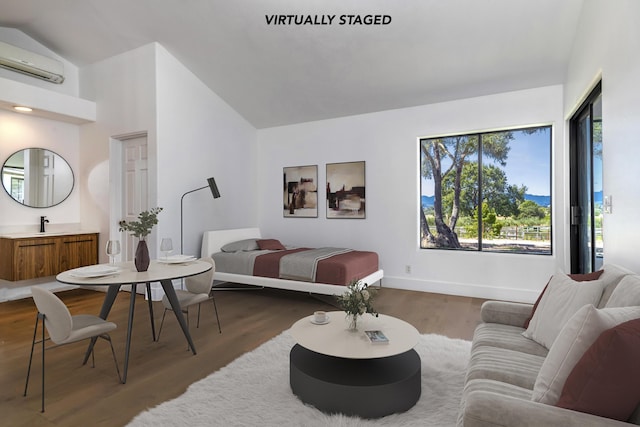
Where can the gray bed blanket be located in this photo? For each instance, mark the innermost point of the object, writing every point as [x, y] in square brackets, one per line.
[302, 265]
[237, 262]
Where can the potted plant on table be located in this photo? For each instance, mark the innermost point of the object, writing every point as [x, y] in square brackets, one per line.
[356, 301]
[141, 229]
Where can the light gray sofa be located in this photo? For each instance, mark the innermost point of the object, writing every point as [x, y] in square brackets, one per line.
[504, 366]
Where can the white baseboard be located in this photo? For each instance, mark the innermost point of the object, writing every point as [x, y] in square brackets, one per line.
[462, 289]
[15, 293]
[439, 287]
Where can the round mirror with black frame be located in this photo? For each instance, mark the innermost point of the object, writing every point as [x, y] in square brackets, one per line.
[37, 177]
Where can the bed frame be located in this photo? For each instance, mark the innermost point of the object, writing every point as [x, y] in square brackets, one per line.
[212, 241]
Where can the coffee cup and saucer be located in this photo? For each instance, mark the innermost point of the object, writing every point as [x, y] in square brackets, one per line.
[320, 318]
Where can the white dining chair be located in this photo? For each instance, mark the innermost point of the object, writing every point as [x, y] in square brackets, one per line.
[63, 328]
[198, 291]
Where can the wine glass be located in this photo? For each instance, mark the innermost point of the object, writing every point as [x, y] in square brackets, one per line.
[113, 249]
[166, 246]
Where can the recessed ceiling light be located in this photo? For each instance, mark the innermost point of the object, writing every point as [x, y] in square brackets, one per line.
[23, 109]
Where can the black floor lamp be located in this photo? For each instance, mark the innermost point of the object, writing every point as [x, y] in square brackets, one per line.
[216, 194]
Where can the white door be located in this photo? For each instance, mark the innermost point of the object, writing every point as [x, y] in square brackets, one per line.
[135, 186]
[39, 172]
[47, 161]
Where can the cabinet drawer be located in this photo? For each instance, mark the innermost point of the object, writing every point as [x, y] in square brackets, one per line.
[35, 258]
[78, 251]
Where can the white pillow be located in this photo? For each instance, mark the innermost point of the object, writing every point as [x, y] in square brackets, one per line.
[580, 332]
[627, 293]
[562, 299]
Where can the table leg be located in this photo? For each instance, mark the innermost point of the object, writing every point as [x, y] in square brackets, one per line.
[132, 305]
[112, 293]
[167, 286]
[153, 325]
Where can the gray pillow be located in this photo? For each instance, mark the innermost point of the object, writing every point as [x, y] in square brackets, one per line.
[241, 245]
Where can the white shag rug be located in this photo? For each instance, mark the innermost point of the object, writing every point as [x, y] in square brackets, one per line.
[254, 390]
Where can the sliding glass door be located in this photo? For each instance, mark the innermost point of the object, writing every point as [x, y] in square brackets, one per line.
[587, 245]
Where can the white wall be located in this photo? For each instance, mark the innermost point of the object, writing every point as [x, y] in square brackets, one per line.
[388, 142]
[191, 134]
[19, 131]
[123, 88]
[608, 44]
[200, 136]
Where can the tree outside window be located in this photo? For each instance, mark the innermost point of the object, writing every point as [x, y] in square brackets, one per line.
[487, 191]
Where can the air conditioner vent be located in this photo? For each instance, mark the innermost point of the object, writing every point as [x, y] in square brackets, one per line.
[32, 64]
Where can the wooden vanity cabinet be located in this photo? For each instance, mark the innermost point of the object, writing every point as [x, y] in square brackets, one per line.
[32, 257]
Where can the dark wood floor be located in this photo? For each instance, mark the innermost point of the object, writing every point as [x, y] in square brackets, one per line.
[79, 395]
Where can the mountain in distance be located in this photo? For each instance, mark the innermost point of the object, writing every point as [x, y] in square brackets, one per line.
[427, 201]
[544, 201]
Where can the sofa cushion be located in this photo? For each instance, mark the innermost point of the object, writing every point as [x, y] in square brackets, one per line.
[499, 387]
[501, 364]
[605, 380]
[576, 337]
[563, 298]
[490, 386]
[577, 277]
[612, 276]
[505, 336]
[626, 294]
[487, 409]
[506, 313]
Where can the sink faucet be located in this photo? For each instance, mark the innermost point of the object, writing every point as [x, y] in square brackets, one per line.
[43, 219]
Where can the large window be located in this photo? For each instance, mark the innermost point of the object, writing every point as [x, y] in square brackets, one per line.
[487, 191]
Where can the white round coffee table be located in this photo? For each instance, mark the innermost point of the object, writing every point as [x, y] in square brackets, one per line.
[341, 371]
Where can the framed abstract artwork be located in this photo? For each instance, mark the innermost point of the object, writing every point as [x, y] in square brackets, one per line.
[346, 190]
[300, 191]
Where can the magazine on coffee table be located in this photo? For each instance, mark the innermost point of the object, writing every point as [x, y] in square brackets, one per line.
[377, 337]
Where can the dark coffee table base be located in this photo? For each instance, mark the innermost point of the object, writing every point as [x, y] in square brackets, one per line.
[368, 388]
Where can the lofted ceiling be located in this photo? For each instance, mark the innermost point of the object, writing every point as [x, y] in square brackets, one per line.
[431, 51]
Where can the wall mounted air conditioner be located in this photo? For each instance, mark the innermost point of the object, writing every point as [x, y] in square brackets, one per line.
[32, 64]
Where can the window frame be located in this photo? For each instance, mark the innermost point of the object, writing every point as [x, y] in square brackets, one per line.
[478, 159]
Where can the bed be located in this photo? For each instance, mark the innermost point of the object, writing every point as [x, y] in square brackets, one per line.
[213, 241]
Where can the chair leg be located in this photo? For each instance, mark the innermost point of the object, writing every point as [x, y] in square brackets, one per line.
[43, 365]
[33, 344]
[161, 323]
[215, 306]
[113, 352]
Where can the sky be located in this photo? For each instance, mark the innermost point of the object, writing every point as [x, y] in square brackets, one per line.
[528, 163]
